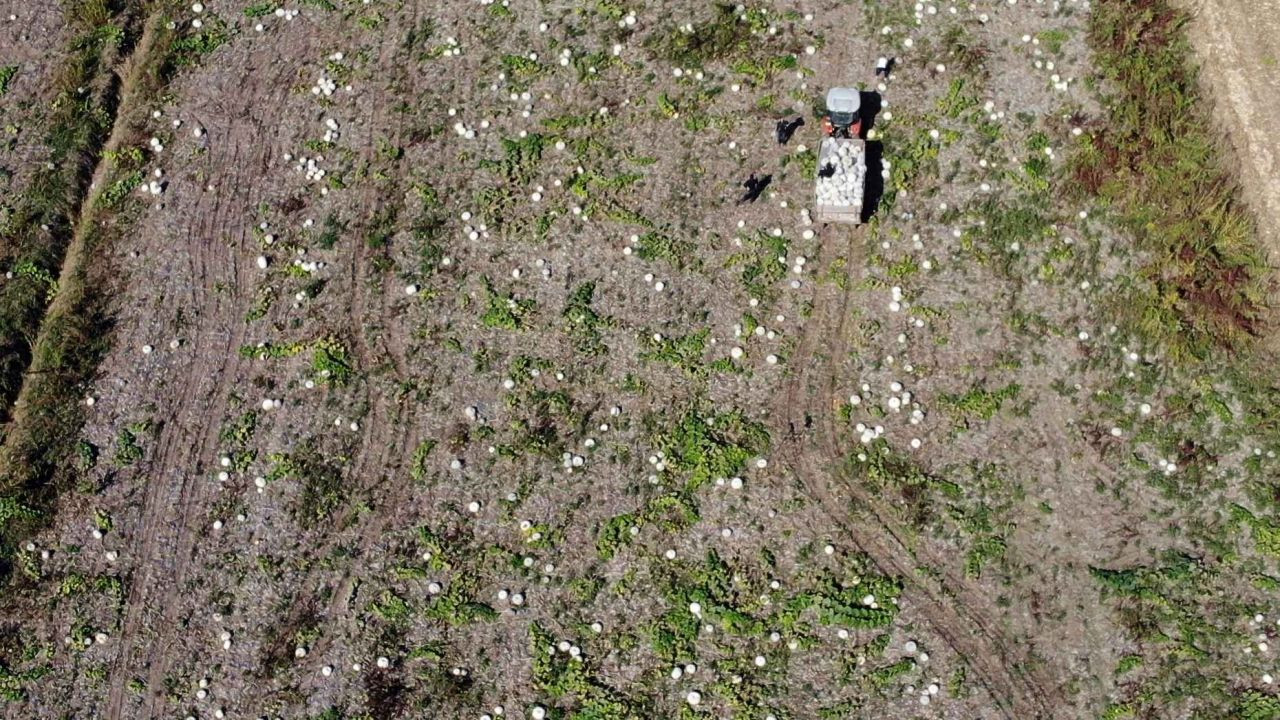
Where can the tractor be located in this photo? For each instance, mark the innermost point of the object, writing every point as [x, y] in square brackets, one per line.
[842, 159]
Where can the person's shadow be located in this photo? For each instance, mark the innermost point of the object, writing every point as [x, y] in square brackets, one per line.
[755, 186]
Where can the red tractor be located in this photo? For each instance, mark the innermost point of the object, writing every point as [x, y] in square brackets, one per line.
[843, 119]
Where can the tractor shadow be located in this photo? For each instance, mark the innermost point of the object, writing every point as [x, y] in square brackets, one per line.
[869, 108]
[874, 188]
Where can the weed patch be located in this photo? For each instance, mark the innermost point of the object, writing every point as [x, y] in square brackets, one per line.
[1157, 164]
[6, 76]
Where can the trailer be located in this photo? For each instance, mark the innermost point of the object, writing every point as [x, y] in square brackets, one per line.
[841, 180]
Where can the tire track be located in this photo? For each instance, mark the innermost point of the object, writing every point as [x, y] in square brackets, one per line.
[176, 494]
[1019, 690]
[383, 412]
[171, 528]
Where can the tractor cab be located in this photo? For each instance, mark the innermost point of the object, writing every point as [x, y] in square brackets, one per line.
[843, 119]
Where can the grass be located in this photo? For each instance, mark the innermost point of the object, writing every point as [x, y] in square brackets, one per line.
[583, 323]
[323, 488]
[260, 9]
[521, 70]
[11, 683]
[978, 403]
[762, 267]
[735, 600]
[189, 49]
[44, 215]
[557, 675]
[128, 448]
[505, 311]
[725, 36]
[67, 336]
[965, 52]
[359, 516]
[331, 362]
[703, 448]
[418, 465]
[43, 228]
[1161, 606]
[664, 246]
[1158, 165]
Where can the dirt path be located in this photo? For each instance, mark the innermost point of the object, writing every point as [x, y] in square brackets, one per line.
[176, 500]
[1017, 685]
[1239, 46]
[174, 513]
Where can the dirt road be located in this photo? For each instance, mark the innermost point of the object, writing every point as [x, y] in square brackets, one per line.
[1239, 46]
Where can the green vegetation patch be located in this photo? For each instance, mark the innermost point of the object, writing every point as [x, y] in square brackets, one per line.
[1158, 164]
[763, 261]
[6, 76]
[323, 490]
[1187, 644]
[190, 48]
[978, 403]
[705, 447]
[582, 323]
[504, 310]
[728, 35]
[576, 683]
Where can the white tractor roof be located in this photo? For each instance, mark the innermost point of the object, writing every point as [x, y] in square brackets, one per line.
[843, 100]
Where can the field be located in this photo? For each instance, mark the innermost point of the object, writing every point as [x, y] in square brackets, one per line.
[386, 358]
